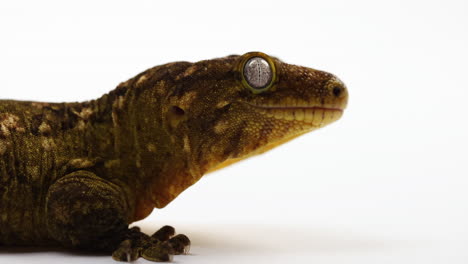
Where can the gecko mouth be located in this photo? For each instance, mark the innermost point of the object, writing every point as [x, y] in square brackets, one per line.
[316, 116]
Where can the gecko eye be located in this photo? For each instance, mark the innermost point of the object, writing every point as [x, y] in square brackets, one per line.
[258, 73]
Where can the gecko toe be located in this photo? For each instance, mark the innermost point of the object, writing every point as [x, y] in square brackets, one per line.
[126, 252]
[179, 244]
[164, 233]
[157, 253]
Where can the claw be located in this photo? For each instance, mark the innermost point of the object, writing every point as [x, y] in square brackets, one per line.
[186, 249]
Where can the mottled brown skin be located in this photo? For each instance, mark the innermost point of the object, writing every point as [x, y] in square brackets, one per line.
[77, 174]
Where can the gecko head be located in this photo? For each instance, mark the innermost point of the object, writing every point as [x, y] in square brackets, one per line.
[294, 97]
[238, 106]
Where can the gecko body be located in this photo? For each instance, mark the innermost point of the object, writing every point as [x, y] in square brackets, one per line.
[77, 174]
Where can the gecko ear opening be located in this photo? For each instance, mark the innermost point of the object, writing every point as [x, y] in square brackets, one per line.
[177, 111]
[175, 115]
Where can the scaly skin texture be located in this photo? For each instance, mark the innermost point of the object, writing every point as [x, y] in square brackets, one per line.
[77, 174]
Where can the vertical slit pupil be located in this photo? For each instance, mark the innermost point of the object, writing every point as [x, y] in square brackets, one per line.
[257, 72]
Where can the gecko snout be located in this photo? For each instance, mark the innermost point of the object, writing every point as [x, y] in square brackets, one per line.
[338, 91]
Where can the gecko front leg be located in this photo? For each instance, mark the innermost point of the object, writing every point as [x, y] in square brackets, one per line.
[87, 212]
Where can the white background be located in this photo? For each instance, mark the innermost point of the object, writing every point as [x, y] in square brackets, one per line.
[386, 184]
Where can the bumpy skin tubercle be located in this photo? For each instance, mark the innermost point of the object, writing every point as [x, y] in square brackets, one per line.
[77, 174]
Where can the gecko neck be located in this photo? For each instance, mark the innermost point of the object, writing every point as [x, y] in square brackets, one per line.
[151, 161]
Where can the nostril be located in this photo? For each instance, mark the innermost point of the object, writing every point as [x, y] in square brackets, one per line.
[337, 91]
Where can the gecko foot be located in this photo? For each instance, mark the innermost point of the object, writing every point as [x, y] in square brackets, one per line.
[160, 247]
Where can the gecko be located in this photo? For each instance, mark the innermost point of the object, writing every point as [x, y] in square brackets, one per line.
[77, 174]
